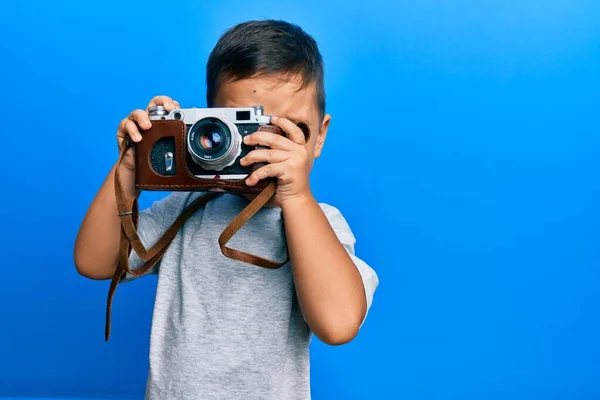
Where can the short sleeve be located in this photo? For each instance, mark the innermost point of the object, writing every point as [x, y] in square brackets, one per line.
[150, 229]
[346, 237]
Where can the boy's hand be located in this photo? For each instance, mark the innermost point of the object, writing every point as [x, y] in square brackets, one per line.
[131, 125]
[287, 159]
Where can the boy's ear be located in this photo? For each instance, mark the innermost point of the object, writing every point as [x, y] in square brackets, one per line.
[322, 135]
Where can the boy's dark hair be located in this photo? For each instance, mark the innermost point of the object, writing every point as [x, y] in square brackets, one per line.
[263, 48]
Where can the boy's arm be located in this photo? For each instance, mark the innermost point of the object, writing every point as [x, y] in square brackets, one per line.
[97, 245]
[96, 251]
[333, 295]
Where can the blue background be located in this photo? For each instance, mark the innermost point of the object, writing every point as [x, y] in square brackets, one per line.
[463, 152]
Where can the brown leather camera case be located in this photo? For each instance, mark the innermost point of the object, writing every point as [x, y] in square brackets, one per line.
[148, 179]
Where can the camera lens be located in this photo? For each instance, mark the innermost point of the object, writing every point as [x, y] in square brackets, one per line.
[213, 144]
[210, 140]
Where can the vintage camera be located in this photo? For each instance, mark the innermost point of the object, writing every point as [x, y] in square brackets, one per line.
[213, 141]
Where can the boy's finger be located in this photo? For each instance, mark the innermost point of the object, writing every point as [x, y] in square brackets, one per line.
[268, 139]
[293, 131]
[159, 100]
[130, 129]
[268, 171]
[164, 101]
[264, 155]
[141, 118]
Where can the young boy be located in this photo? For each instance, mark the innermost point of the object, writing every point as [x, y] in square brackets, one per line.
[224, 329]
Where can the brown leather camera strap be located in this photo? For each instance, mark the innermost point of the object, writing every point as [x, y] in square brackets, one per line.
[128, 212]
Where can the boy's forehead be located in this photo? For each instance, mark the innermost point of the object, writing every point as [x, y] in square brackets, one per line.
[278, 96]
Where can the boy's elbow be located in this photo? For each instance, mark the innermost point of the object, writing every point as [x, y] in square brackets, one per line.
[88, 269]
[338, 332]
[82, 268]
[338, 336]
[79, 264]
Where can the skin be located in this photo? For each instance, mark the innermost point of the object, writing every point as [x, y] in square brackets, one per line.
[328, 285]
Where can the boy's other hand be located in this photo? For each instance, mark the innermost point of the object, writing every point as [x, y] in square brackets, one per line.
[136, 120]
[288, 160]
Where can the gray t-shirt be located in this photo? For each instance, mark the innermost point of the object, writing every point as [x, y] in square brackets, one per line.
[223, 329]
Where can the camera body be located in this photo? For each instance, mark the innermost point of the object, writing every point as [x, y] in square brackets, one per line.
[214, 140]
[198, 148]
